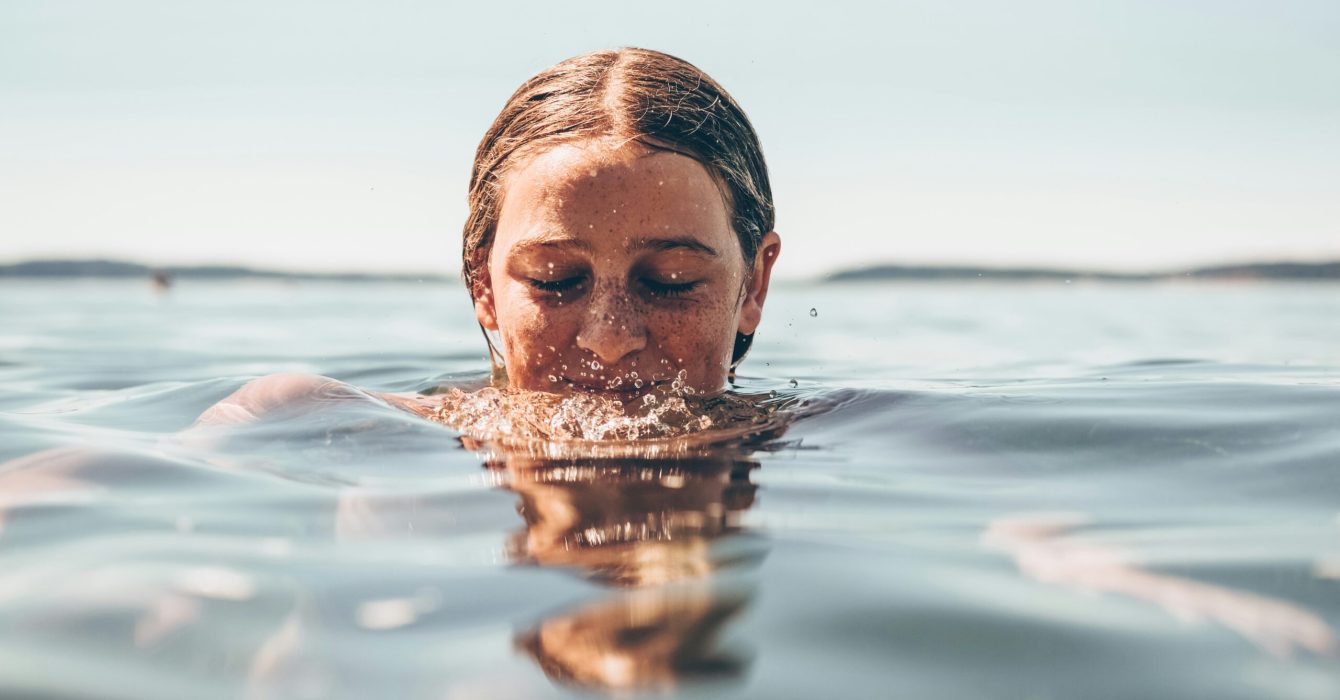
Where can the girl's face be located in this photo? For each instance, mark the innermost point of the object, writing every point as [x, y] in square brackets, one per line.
[614, 269]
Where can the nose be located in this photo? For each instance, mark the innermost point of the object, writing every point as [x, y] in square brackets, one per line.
[612, 328]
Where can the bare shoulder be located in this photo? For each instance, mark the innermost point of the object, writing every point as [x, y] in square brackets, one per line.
[273, 393]
[299, 393]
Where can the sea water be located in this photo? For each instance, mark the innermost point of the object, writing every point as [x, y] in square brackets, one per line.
[985, 490]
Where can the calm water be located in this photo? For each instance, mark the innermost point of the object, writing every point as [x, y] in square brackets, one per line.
[1013, 491]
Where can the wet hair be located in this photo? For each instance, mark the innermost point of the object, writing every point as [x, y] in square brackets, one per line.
[631, 94]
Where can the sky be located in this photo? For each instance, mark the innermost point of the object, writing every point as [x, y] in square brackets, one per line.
[337, 136]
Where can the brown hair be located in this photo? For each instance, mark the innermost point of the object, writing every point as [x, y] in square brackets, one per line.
[640, 95]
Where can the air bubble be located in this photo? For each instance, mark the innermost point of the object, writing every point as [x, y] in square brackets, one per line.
[794, 383]
[814, 313]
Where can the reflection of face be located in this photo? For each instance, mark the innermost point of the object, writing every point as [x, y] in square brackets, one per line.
[645, 640]
[638, 525]
[630, 523]
[614, 268]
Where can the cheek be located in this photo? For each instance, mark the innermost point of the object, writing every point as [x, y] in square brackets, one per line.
[697, 339]
[529, 329]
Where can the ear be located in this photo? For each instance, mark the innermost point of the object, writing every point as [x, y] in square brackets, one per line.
[757, 291]
[485, 310]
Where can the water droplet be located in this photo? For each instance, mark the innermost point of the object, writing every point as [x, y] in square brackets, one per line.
[553, 379]
[596, 365]
[794, 383]
[814, 313]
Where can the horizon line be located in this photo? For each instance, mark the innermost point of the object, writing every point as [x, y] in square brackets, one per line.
[124, 267]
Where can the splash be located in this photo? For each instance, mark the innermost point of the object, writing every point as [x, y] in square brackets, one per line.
[665, 421]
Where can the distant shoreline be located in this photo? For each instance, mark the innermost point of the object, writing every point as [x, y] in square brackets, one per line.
[115, 269]
[1324, 271]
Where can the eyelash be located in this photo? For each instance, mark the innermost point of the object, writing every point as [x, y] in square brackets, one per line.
[659, 289]
[562, 285]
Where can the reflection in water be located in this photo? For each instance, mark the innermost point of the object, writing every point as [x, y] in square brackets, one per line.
[1043, 548]
[665, 535]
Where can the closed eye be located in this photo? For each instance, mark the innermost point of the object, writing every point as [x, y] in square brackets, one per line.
[562, 285]
[669, 289]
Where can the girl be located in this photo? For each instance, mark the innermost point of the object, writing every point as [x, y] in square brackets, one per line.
[619, 243]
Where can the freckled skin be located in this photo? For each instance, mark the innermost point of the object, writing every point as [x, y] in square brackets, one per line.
[613, 260]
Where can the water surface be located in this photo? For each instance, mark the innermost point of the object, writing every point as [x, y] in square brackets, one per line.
[1033, 491]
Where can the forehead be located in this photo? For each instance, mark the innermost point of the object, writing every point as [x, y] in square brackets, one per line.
[593, 190]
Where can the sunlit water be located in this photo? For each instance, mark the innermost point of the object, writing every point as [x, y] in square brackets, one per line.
[1045, 491]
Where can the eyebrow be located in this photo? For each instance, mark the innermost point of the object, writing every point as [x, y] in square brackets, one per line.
[552, 242]
[673, 243]
[658, 244]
